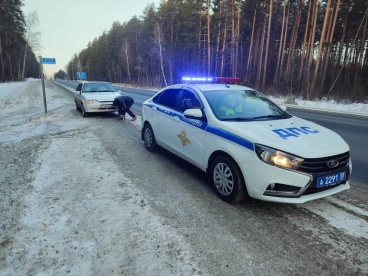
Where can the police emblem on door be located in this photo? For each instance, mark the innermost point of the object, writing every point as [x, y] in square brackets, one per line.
[184, 139]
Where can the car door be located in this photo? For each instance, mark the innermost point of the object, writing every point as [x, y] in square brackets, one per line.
[188, 133]
[163, 116]
[78, 94]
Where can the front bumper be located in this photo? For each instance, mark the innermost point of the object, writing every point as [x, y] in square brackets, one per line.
[289, 186]
[100, 107]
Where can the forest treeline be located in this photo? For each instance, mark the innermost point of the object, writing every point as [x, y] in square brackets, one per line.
[17, 60]
[307, 48]
[304, 48]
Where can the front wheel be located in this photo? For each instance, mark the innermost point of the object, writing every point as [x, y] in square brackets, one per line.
[149, 138]
[84, 113]
[228, 180]
[77, 107]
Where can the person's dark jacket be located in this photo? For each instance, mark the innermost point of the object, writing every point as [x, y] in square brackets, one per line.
[125, 101]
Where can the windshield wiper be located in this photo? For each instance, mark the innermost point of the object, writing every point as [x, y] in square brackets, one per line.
[283, 116]
[237, 119]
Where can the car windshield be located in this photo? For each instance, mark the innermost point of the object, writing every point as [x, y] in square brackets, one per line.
[98, 87]
[243, 105]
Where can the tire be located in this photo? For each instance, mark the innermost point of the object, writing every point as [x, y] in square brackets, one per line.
[149, 138]
[228, 180]
[77, 107]
[84, 113]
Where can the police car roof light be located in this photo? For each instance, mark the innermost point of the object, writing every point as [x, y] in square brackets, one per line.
[227, 80]
[211, 80]
[198, 79]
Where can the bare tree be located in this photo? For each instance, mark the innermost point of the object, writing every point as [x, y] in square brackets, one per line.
[267, 45]
[250, 55]
[283, 36]
[32, 37]
[159, 41]
[321, 44]
[331, 31]
[125, 50]
[208, 37]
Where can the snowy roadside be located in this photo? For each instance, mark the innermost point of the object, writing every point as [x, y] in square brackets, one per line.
[326, 105]
[66, 207]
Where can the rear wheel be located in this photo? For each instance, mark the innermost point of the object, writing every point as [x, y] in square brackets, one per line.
[84, 113]
[228, 180]
[149, 138]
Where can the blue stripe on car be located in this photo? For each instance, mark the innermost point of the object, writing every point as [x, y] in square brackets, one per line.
[209, 128]
[230, 136]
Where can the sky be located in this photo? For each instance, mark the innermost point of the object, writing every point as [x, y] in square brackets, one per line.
[67, 26]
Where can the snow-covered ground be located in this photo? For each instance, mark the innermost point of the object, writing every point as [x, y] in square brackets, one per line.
[55, 218]
[328, 105]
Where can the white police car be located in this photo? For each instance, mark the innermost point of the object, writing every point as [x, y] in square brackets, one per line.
[247, 144]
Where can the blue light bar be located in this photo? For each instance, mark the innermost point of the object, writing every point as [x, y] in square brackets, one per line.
[211, 80]
[198, 79]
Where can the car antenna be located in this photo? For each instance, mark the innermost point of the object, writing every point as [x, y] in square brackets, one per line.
[226, 84]
[227, 81]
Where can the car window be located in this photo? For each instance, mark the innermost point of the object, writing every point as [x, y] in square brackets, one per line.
[106, 87]
[188, 100]
[168, 98]
[97, 87]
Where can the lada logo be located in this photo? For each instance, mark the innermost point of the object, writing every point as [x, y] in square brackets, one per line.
[332, 163]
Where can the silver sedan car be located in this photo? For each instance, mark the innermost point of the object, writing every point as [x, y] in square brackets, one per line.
[94, 97]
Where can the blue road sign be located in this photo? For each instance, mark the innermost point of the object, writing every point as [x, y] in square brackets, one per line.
[81, 75]
[48, 60]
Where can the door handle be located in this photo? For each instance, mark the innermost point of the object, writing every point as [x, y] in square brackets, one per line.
[176, 119]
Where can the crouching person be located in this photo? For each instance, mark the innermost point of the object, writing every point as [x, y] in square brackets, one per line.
[124, 103]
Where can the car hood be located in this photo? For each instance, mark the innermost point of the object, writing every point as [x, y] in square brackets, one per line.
[101, 96]
[294, 135]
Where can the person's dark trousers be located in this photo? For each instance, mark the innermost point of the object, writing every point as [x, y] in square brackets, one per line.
[128, 106]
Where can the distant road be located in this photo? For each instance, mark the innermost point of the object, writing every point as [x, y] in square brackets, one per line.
[353, 128]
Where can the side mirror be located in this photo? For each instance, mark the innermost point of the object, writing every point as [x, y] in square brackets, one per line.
[194, 113]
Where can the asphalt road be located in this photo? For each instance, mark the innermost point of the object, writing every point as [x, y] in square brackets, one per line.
[353, 129]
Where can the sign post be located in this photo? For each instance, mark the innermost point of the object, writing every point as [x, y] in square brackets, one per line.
[45, 61]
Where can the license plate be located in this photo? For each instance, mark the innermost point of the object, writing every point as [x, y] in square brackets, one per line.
[332, 179]
[106, 106]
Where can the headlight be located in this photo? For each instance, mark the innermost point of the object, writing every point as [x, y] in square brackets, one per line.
[91, 101]
[278, 158]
